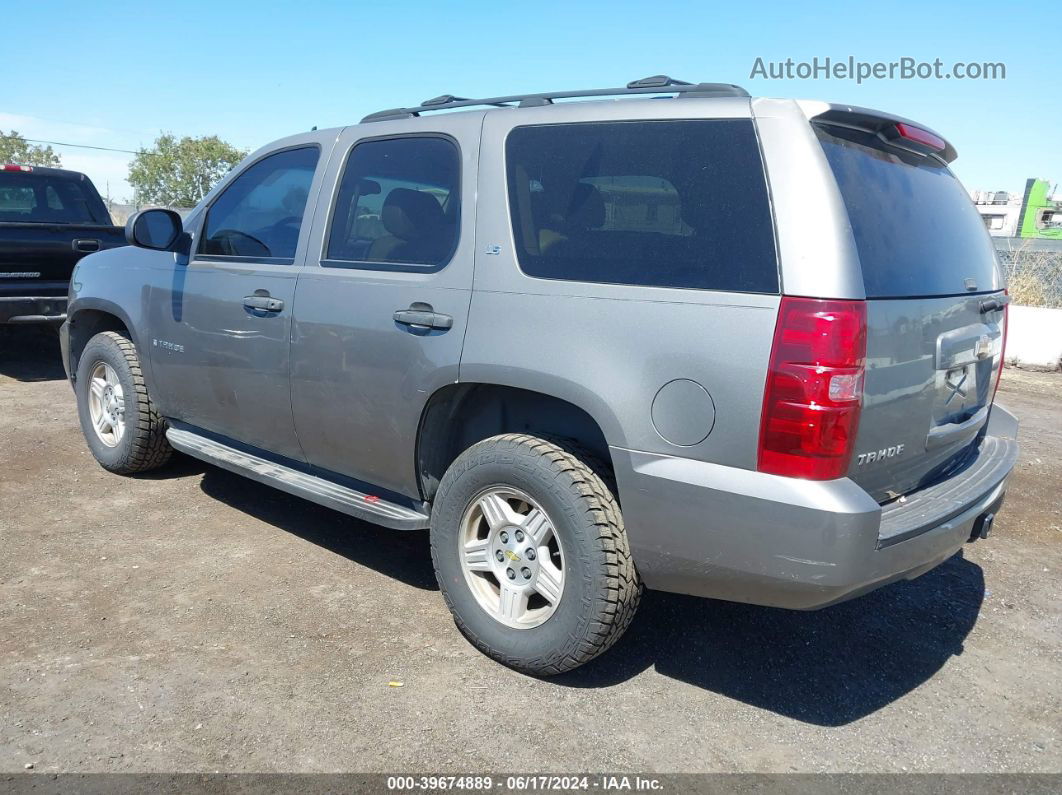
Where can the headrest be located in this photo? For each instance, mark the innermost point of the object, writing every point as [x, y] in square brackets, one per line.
[294, 201]
[587, 208]
[411, 214]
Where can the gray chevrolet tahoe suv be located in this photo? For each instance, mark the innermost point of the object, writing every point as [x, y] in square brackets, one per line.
[739, 348]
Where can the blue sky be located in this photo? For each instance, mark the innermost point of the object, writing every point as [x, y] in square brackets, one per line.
[116, 75]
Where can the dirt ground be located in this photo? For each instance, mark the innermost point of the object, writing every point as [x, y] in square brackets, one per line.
[196, 621]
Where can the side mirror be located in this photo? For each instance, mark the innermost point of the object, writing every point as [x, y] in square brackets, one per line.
[155, 229]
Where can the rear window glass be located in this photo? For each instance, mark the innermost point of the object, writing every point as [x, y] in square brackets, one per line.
[660, 203]
[915, 227]
[29, 198]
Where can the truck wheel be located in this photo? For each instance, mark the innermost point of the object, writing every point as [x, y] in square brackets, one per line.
[531, 555]
[123, 430]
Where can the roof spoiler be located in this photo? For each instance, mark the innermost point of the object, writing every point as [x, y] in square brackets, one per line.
[894, 131]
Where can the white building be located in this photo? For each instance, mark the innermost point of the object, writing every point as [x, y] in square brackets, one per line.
[1001, 211]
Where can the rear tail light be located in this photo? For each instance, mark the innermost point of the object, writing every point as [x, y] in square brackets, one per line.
[814, 388]
[1002, 347]
[14, 167]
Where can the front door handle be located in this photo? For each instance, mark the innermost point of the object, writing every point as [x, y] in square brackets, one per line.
[86, 245]
[421, 317]
[263, 303]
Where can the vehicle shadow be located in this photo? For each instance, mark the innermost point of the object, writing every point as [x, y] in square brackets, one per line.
[30, 353]
[398, 554]
[830, 667]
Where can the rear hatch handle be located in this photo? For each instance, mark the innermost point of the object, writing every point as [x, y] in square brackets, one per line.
[954, 431]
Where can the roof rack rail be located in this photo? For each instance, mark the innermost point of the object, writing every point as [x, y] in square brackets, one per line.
[657, 84]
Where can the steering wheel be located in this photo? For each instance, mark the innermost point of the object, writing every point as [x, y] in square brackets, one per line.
[226, 238]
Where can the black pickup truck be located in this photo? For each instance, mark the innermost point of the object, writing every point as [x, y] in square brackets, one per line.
[49, 219]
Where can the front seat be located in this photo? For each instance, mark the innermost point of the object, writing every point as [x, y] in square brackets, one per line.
[415, 226]
[586, 213]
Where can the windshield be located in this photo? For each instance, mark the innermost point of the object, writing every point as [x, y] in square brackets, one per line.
[916, 229]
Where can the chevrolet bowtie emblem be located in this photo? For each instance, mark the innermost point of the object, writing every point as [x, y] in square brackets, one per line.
[512, 555]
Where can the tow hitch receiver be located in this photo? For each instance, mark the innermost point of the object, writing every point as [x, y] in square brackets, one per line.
[983, 526]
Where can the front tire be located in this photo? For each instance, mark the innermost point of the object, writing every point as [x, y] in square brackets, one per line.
[121, 426]
[531, 554]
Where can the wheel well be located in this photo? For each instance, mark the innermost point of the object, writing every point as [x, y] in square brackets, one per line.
[460, 415]
[85, 325]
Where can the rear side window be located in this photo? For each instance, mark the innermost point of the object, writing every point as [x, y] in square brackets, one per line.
[659, 203]
[36, 199]
[917, 232]
[398, 204]
[259, 215]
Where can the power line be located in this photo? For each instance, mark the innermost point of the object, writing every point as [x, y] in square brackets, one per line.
[79, 146]
[142, 152]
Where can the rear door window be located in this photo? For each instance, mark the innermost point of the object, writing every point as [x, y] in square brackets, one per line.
[916, 229]
[399, 204]
[660, 203]
[259, 215]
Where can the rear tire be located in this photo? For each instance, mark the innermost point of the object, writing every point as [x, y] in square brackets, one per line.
[561, 587]
[123, 429]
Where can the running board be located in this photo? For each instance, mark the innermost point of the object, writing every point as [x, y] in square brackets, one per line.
[324, 492]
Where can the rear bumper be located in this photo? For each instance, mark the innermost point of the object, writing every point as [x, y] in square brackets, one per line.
[713, 531]
[33, 309]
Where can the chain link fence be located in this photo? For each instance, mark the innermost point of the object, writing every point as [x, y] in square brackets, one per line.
[1033, 270]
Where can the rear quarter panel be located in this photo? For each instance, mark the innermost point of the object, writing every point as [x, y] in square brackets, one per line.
[609, 349]
[816, 249]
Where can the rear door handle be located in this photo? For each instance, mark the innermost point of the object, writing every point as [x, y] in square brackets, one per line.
[421, 317]
[263, 303]
[87, 245]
